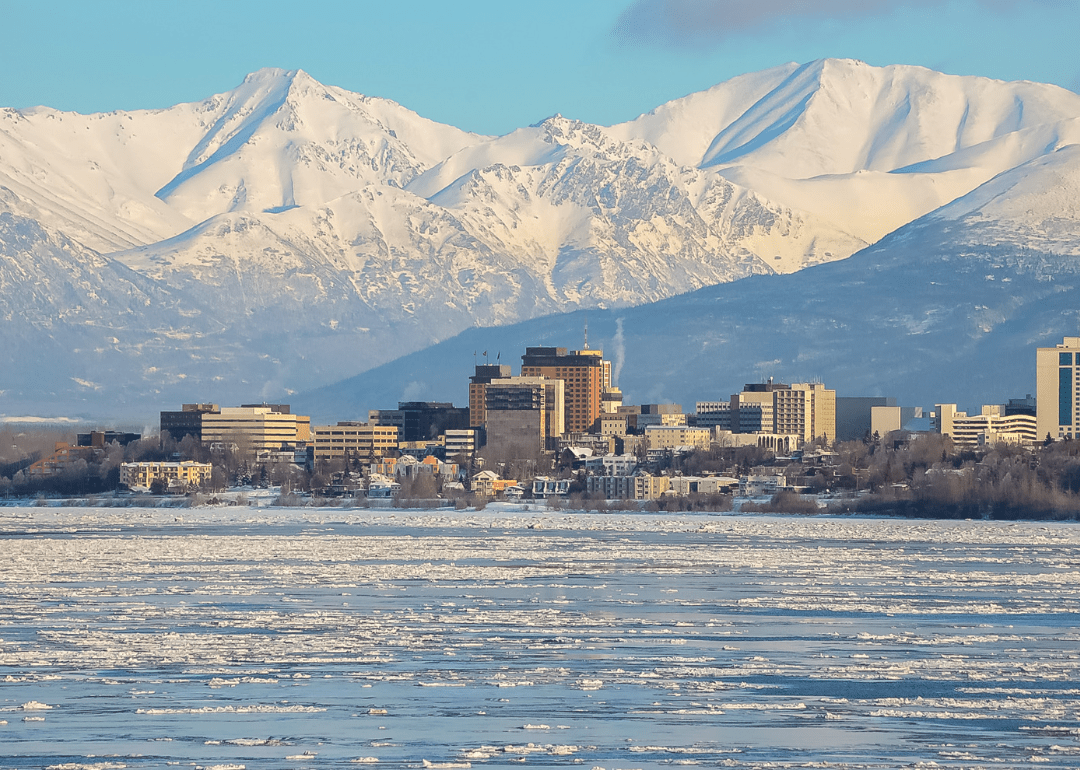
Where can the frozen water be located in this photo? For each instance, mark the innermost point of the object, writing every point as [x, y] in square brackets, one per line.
[330, 638]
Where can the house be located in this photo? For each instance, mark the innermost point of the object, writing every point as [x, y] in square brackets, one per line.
[488, 484]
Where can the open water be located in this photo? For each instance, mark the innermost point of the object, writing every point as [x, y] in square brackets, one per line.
[330, 638]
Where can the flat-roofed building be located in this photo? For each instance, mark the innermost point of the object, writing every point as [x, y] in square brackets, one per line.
[186, 422]
[355, 440]
[990, 427]
[421, 420]
[478, 383]
[677, 436]
[517, 412]
[585, 374]
[179, 475]
[255, 428]
[703, 485]
[650, 487]
[1057, 394]
[462, 443]
[805, 409]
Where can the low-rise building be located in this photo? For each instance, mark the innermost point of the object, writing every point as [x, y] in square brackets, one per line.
[650, 487]
[355, 440]
[674, 436]
[488, 484]
[253, 428]
[63, 457]
[611, 487]
[702, 485]
[991, 427]
[758, 486]
[611, 465]
[544, 487]
[179, 476]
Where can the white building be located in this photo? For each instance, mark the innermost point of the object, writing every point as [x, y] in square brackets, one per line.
[612, 465]
[990, 427]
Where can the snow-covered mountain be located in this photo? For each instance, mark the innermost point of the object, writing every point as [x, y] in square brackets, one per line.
[288, 234]
[948, 309]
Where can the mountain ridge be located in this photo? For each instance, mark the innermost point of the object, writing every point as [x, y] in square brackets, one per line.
[278, 224]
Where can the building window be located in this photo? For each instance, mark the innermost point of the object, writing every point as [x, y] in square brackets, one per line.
[1065, 396]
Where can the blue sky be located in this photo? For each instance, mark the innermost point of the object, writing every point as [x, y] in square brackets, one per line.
[492, 66]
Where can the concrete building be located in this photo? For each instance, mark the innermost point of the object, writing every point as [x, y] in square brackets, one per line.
[478, 383]
[355, 441]
[611, 487]
[663, 437]
[186, 422]
[774, 442]
[611, 464]
[613, 425]
[462, 443]
[585, 374]
[807, 410]
[854, 415]
[990, 427]
[252, 428]
[176, 476]
[517, 412]
[684, 486]
[1057, 393]
[713, 414]
[650, 487]
[885, 419]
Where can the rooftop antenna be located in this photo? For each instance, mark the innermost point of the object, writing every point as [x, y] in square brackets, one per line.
[586, 331]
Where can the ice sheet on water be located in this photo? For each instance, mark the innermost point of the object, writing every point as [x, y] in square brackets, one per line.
[842, 629]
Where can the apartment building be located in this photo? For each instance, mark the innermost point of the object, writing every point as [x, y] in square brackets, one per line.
[182, 475]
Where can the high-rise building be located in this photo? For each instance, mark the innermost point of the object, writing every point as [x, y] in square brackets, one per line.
[517, 411]
[585, 374]
[478, 383]
[1057, 394]
[807, 410]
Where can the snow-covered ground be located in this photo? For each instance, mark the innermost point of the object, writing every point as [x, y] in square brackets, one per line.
[281, 638]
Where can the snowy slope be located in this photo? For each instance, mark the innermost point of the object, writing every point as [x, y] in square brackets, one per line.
[867, 149]
[950, 308]
[288, 234]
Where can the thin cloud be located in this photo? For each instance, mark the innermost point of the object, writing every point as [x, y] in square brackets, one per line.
[682, 22]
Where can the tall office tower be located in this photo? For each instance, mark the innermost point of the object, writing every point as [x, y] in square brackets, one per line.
[585, 375]
[516, 421]
[1057, 394]
[478, 383]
